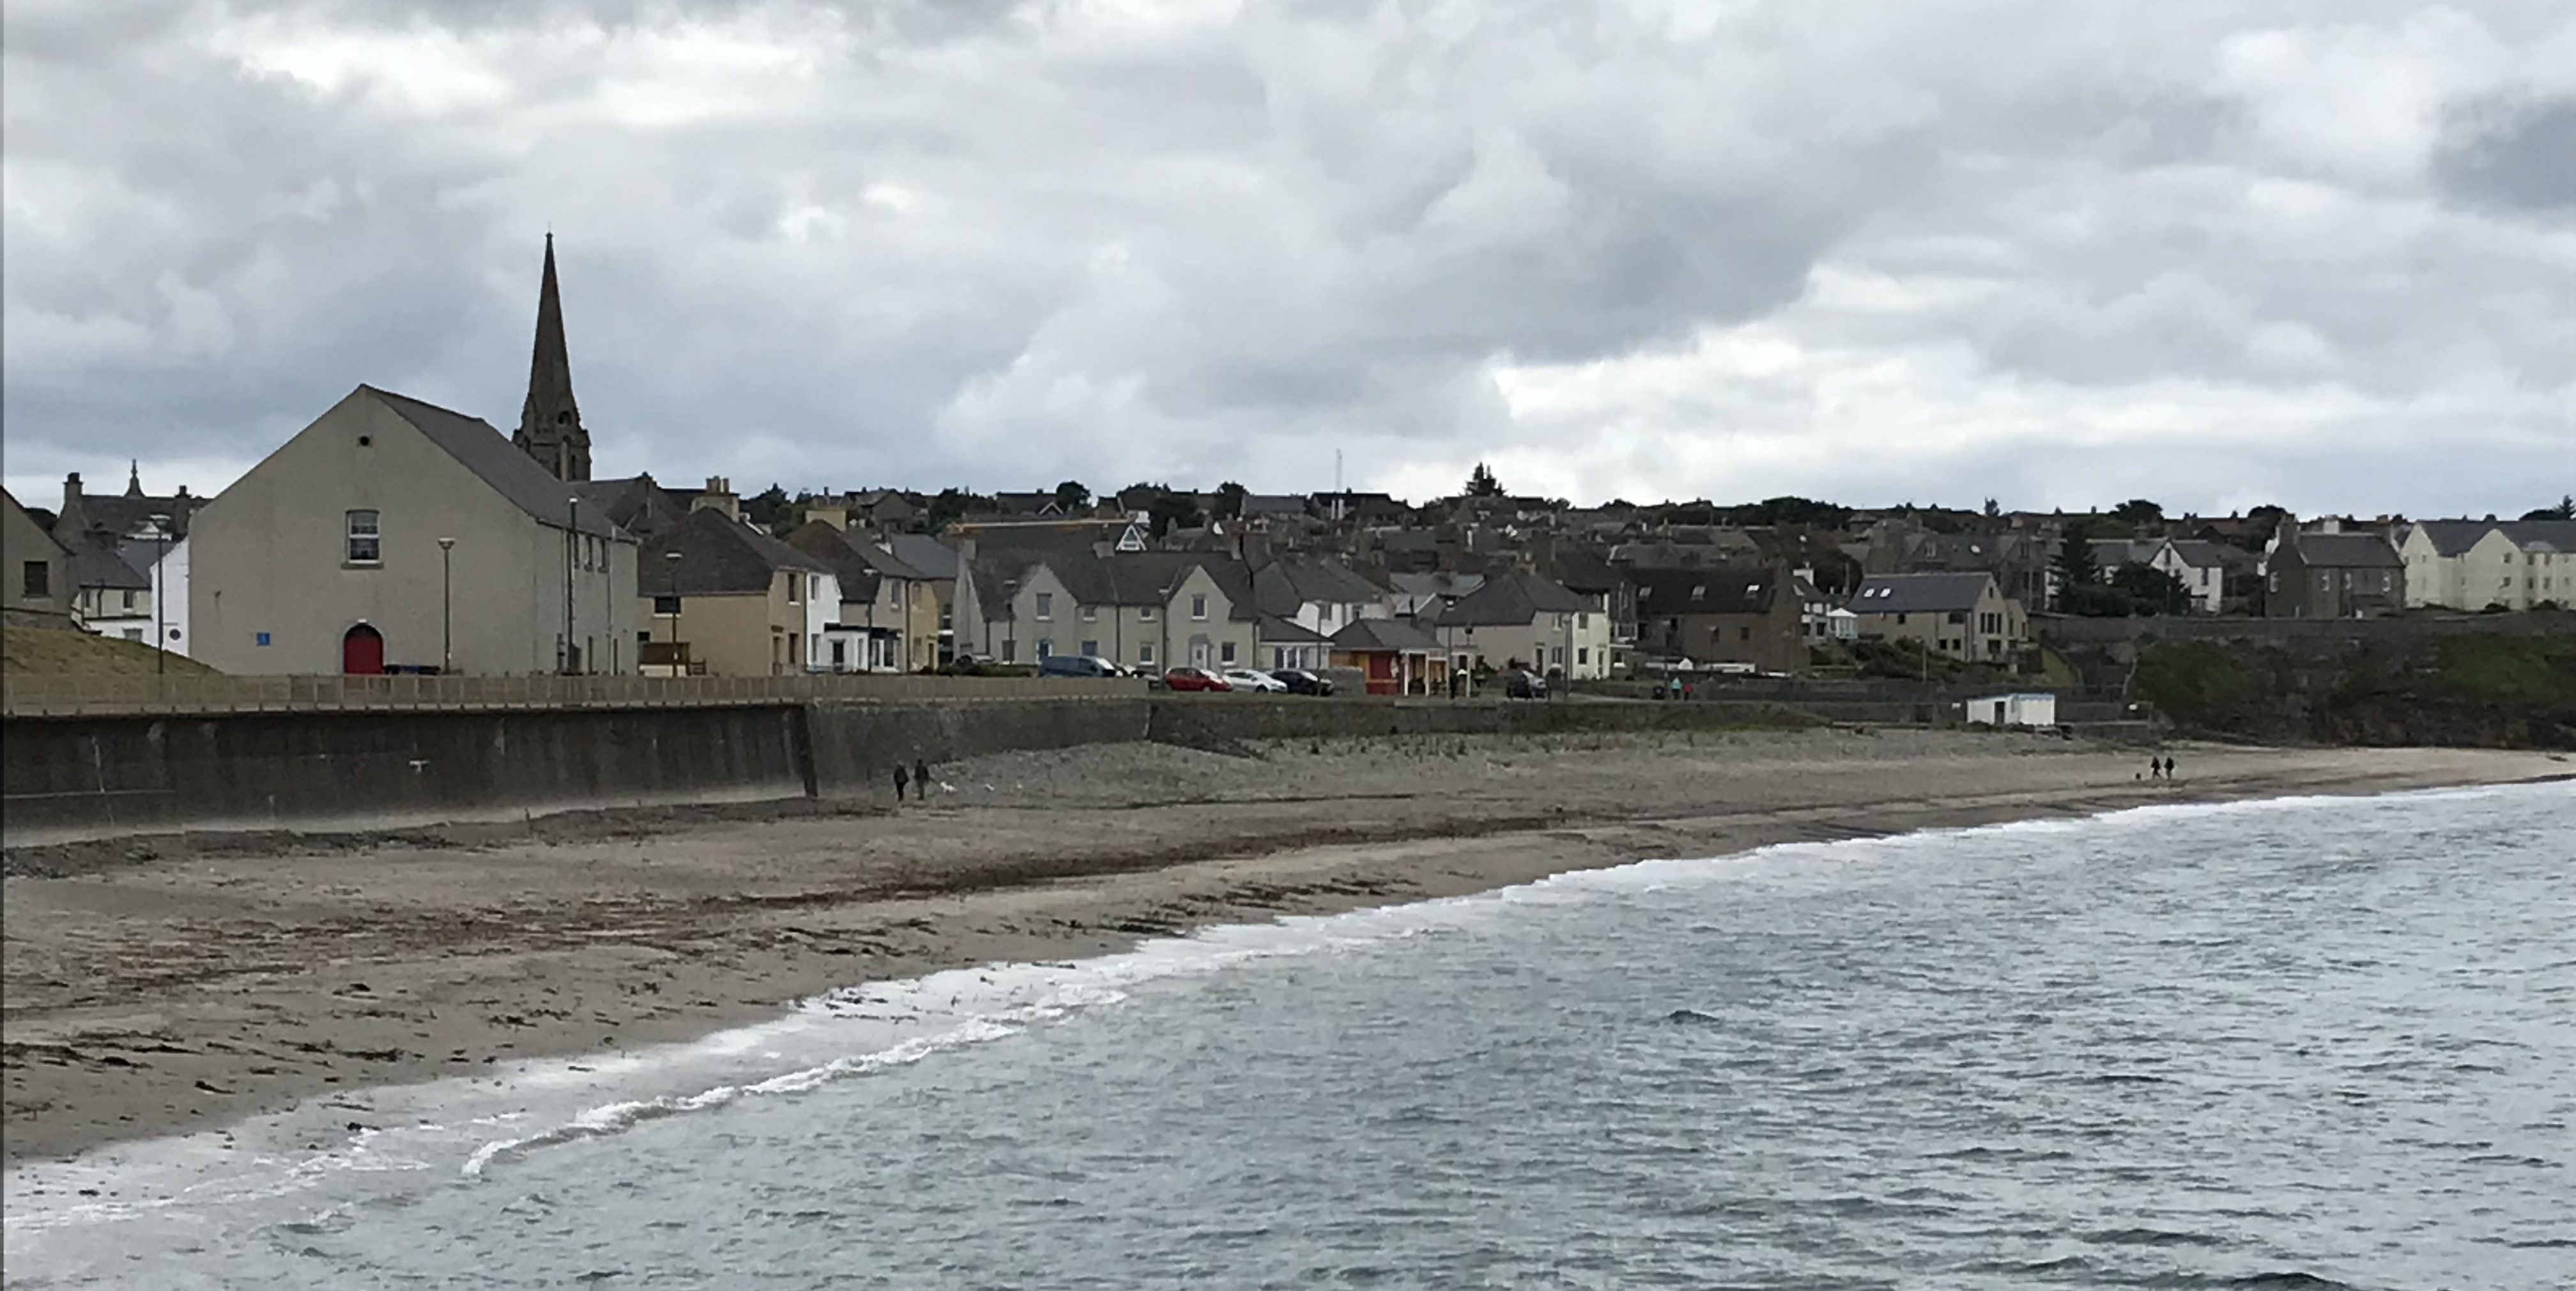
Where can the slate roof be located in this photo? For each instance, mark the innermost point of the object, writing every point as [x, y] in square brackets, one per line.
[639, 506]
[1423, 586]
[1584, 570]
[1673, 593]
[719, 556]
[1121, 579]
[2201, 553]
[1278, 631]
[1383, 636]
[1285, 585]
[833, 547]
[2455, 537]
[935, 559]
[96, 562]
[1512, 599]
[2346, 551]
[496, 461]
[128, 514]
[1273, 504]
[1918, 593]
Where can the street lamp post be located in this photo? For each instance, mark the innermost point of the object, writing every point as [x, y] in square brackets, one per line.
[671, 561]
[446, 606]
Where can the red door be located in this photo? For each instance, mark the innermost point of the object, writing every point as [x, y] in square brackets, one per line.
[362, 652]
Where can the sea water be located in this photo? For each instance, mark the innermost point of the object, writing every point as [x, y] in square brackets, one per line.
[2306, 1043]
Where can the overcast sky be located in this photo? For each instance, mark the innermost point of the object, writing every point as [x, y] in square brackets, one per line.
[2057, 252]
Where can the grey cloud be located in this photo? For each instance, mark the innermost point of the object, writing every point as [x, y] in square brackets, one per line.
[1216, 251]
[2515, 154]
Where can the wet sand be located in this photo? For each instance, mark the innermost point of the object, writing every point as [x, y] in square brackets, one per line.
[169, 989]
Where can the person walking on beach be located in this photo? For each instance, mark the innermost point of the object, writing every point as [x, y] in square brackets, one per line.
[2168, 766]
[898, 782]
[920, 779]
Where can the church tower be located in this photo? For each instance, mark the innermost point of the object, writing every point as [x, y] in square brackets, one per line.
[550, 422]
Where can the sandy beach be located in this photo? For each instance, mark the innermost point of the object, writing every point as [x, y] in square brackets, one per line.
[170, 989]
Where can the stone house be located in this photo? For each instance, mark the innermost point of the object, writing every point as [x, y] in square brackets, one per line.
[392, 534]
[1752, 616]
[2332, 576]
[1963, 616]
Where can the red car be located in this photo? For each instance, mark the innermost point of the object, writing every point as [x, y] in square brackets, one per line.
[1194, 679]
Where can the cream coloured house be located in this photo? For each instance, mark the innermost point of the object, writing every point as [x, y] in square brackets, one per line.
[726, 600]
[391, 534]
[2474, 564]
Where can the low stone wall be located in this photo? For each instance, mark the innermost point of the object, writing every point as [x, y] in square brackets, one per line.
[97, 777]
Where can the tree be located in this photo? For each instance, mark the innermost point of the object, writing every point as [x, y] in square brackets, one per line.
[2565, 510]
[1171, 511]
[1070, 497]
[2076, 565]
[2150, 590]
[2137, 512]
[949, 506]
[1482, 484]
[1994, 510]
[770, 509]
[1229, 500]
[1796, 511]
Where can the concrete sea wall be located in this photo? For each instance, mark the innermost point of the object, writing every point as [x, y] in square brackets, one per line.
[108, 775]
[94, 777]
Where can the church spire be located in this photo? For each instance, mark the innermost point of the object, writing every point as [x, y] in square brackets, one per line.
[134, 478]
[550, 428]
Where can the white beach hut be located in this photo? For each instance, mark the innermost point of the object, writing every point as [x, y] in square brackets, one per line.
[2013, 710]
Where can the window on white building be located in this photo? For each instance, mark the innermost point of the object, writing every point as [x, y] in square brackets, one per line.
[1225, 652]
[1144, 654]
[1046, 606]
[1198, 608]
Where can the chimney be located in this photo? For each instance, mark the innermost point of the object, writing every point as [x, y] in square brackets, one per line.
[835, 512]
[71, 492]
[718, 496]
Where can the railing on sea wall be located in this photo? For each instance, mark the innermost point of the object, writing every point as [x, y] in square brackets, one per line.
[42, 696]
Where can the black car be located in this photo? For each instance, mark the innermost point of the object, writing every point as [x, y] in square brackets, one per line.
[1301, 682]
[1523, 684]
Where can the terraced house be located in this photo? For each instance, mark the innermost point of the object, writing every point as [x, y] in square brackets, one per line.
[2475, 564]
[1144, 610]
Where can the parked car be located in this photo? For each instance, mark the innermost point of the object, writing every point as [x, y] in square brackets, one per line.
[1078, 665]
[1301, 682]
[1245, 679]
[1194, 679]
[1521, 683]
